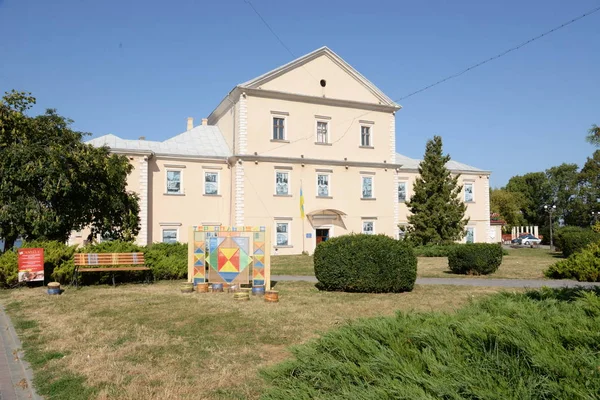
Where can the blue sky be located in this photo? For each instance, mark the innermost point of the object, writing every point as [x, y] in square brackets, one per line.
[139, 68]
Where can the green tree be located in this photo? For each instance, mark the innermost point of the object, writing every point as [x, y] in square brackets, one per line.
[438, 213]
[593, 136]
[52, 183]
[508, 205]
[534, 190]
[563, 188]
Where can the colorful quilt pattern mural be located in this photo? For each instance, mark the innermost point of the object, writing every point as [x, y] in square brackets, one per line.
[229, 254]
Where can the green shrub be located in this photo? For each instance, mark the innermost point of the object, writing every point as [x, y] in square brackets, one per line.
[365, 263]
[508, 346]
[435, 250]
[583, 265]
[475, 258]
[167, 260]
[9, 269]
[558, 235]
[58, 259]
[574, 241]
[112, 246]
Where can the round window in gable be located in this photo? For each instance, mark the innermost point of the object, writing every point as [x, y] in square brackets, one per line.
[323, 82]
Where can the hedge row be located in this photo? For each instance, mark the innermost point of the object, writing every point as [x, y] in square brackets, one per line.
[475, 258]
[572, 239]
[583, 265]
[166, 261]
[365, 263]
[436, 250]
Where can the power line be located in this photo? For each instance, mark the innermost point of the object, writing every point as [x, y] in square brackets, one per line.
[455, 75]
[269, 27]
[501, 54]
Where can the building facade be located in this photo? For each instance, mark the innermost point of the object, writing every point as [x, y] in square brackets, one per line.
[308, 149]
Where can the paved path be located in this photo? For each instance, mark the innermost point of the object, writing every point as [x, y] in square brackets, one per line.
[509, 283]
[15, 373]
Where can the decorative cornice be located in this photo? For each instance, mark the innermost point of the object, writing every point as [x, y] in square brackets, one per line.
[311, 161]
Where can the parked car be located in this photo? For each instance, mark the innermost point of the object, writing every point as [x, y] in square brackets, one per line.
[517, 240]
[529, 239]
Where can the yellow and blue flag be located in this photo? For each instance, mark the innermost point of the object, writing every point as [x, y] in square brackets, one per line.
[301, 202]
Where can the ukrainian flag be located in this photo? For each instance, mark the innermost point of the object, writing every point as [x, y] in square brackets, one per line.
[301, 202]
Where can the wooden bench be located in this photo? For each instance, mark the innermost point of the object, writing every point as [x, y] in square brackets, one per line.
[108, 262]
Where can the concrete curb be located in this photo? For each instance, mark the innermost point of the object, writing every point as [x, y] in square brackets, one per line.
[16, 377]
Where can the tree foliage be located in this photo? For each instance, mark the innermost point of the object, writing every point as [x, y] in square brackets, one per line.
[593, 136]
[438, 212]
[53, 183]
[507, 205]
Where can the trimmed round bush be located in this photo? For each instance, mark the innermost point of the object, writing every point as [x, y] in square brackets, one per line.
[475, 258]
[583, 266]
[365, 263]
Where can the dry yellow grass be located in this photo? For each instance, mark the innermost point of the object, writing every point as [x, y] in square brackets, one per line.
[518, 264]
[152, 342]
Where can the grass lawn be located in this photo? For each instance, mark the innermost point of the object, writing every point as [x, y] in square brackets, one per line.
[523, 263]
[152, 342]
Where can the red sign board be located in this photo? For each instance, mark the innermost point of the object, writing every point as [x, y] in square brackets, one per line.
[31, 265]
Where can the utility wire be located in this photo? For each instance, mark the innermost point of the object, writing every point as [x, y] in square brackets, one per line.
[455, 75]
[500, 54]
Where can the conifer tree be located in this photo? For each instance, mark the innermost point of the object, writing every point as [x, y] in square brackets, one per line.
[438, 213]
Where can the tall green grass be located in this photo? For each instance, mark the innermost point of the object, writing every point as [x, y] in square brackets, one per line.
[539, 345]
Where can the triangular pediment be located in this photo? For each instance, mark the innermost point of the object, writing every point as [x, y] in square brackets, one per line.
[321, 73]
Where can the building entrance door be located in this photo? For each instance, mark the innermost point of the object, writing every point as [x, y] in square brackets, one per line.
[322, 235]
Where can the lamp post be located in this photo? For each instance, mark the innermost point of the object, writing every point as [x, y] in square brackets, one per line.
[550, 210]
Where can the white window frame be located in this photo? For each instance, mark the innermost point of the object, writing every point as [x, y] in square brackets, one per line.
[362, 178]
[167, 170]
[218, 173]
[284, 117]
[289, 174]
[472, 228]
[328, 134]
[371, 128]
[169, 229]
[472, 184]
[288, 222]
[405, 183]
[366, 221]
[328, 184]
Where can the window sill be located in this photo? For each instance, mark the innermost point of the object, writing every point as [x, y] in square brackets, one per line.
[366, 147]
[323, 144]
[174, 194]
[280, 141]
[211, 195]
[469, 202]
[368, 198]
[401, 201]
[287, 246]
[324, 197]
[282, 195]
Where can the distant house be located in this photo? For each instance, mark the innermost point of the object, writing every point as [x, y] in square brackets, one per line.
[314, 125]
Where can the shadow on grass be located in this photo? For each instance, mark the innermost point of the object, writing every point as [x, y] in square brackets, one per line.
[562, 294]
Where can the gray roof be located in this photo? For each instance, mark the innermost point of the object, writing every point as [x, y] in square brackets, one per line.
[454, 166]
[202, 140]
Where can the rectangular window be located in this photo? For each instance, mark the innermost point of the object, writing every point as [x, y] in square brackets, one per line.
[322, 130]
[211, 183]
[173, 182]
[367, 187]
[402, 192]
[470, 236]
[365, 136]
[278, 128]
[469, 197]
[282, 184]
[368, 227]
[169, 235]
[322, 185]
[283, 232]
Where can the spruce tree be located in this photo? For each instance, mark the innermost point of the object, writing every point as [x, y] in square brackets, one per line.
[438, 213]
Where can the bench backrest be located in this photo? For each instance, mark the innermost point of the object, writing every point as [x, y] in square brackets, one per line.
[82, 259]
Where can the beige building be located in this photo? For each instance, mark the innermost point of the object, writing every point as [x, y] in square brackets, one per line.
[314, 125]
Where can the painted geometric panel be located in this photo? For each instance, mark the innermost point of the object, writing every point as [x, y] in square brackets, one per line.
[229, 254]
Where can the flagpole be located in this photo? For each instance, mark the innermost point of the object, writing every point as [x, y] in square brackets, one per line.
[302, 215]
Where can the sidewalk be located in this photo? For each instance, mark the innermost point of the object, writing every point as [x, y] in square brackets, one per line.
[15, 373]
[508, 283]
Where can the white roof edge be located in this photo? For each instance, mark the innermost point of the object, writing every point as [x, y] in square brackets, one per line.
[413, 164]
[314, 54]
